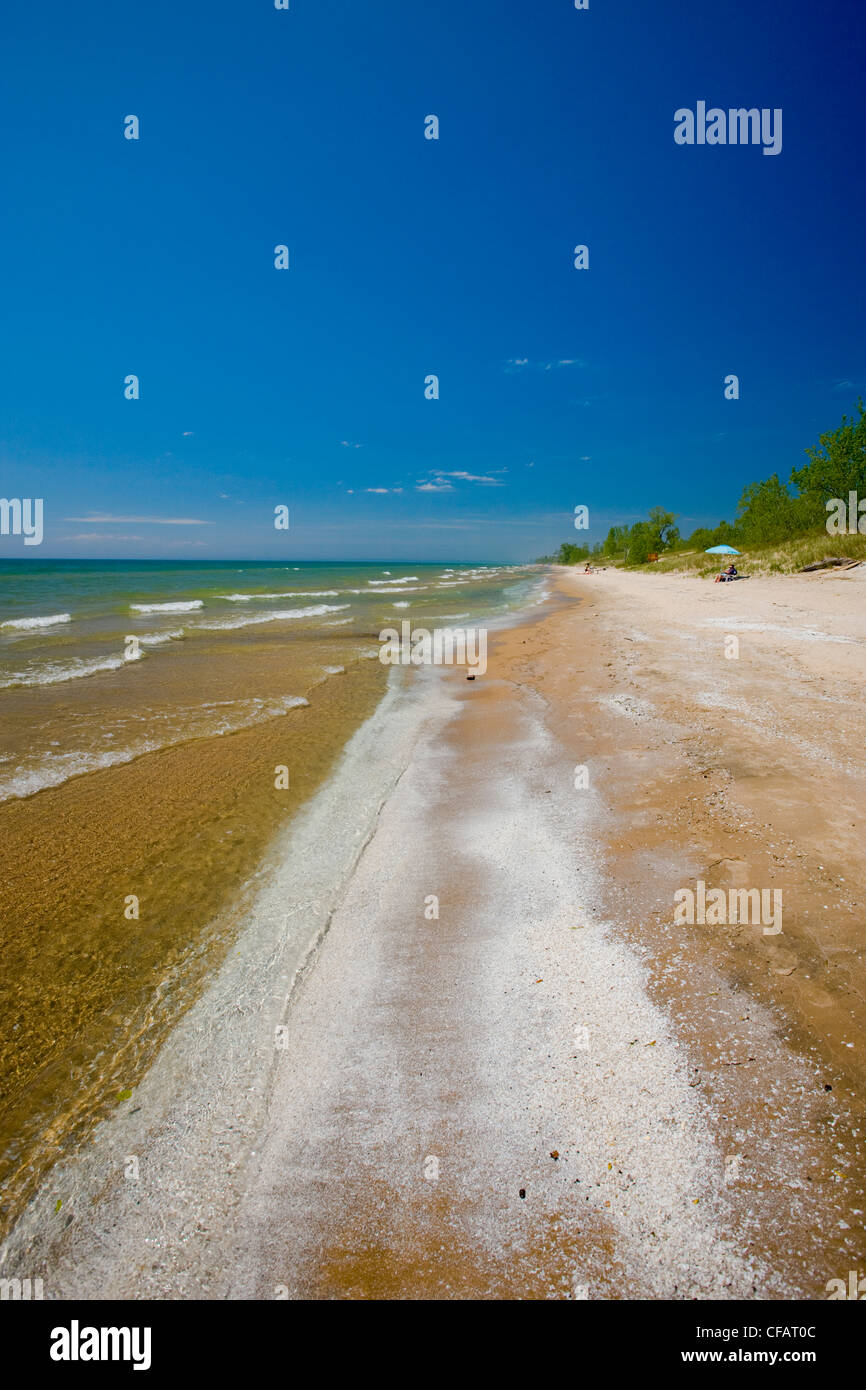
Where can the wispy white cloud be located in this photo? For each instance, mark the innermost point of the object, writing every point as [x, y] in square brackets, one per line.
[104, 517]
[100, 538]
[347, 444]
[515, 364]
[434, 487]
[487, 479]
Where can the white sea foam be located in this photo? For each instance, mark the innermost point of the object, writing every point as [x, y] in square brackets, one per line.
[188, 606]
[156, 639]
[314, 611]
[56, 768]
[285, 593]
[54, 672]
[25, 624]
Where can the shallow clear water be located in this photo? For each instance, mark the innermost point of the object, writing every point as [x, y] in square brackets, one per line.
[101, 661]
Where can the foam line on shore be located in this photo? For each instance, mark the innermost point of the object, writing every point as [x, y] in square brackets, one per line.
[210, 1081]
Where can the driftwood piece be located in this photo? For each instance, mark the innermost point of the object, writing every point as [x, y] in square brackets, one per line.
[828, 563]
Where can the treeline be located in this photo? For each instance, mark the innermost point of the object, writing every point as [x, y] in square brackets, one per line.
[634, 543]
[769, 512]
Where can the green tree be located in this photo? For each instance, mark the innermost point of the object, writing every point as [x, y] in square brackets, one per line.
[768, 512]
[662, 529]
[640, 544]
[570, 554]
[835, 468]
[651, 537]
[706, 536]
[616, 541]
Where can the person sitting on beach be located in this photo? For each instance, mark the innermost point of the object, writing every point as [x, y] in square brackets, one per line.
[729, 573]
[587, 568]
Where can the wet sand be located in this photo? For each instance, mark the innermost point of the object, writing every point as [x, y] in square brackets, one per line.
[89, 994]
[501, 1071]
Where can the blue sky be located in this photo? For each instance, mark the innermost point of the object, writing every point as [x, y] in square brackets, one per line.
[409, 257]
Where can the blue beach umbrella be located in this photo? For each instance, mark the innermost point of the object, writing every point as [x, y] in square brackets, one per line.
[721, 550]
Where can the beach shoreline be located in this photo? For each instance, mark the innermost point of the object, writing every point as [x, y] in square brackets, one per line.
[140, 799]
[550, 1032]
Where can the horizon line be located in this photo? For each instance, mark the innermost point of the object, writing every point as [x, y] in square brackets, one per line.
[233, 560]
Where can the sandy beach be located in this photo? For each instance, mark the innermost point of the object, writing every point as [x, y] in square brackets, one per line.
[490, 1064]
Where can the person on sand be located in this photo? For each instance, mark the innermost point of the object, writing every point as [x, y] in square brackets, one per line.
[729, 573]
[587, 569]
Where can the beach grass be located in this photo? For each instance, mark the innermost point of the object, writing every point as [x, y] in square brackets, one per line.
[785, 557]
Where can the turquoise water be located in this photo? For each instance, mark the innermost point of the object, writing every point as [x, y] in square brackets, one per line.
[44, 603]
[101, 661]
